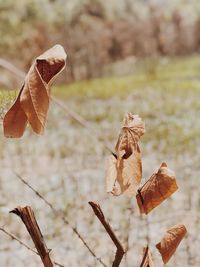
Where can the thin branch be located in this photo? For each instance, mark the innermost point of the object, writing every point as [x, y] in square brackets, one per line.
[147, 259]
[28, 218]
[10, 67]
[120, 249]
[62, 216]
[83, 122]
[13, 237]
[144, 260]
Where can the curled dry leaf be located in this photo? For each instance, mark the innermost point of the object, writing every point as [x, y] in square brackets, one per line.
[169, 243]
[124, 170]
[159, 187]
[32, 103]
[147, 259]
[133, 128]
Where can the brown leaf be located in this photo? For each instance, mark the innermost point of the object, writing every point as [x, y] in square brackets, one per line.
[169, 243]
[32, 103]
[147, 259]
[159, 187]
[132, 129]
[124, 171]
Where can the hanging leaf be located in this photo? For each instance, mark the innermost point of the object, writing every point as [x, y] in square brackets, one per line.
[133, 128]
[169, 243]
[147, 259]
[159, 187]
[124, 170]
[32, 103]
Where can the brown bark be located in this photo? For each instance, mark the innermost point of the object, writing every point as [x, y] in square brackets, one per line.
[120, 249]
[27, 216]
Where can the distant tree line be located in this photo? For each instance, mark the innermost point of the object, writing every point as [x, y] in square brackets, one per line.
[95, 33]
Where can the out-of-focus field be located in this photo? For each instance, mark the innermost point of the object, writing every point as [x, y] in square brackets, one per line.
[67, 166]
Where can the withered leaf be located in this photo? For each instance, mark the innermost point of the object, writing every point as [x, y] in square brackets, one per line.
[159, 187]
[123, 172]
[169, 243]
[147, 259]
[132, 129]
[32, 103]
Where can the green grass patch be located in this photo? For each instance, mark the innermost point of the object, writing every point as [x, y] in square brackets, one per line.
[6, 98]
[166, 74]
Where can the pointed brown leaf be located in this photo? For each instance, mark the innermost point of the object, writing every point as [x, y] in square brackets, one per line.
[169, 243]
[32, 103]
[159, 187]
[123, 172]
[147, 259]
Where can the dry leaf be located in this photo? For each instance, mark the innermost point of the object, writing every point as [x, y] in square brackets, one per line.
[147, 259]
[159, 187]
[124, 170]
[32, 103]
[133, 128]
[169, 243]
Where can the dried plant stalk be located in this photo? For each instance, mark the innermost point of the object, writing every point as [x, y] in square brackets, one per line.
[159, 187]
[62, 217]
[169, 243]
[147, 259]
[120, 249]
[27, 216]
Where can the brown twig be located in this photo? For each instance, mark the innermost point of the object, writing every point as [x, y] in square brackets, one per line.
[120, 250]
[144, 257]
[28, 218]
[147, 260]
[13, 237]
[62, 216]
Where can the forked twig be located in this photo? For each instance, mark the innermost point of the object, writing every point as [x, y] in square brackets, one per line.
[120, 249]
[28, 218]
[13, 237]
[62, 216]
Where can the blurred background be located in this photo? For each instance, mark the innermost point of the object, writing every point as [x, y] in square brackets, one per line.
[138, 56]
